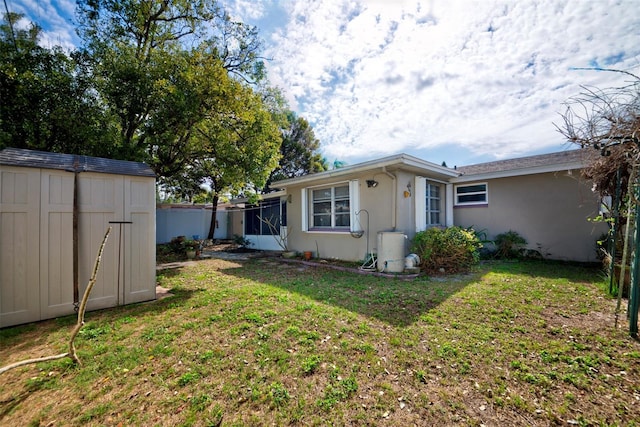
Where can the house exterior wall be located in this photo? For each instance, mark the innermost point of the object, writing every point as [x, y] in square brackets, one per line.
[391, 206]
[376, 201]
[406, 203]
[236, 221]
[549, 210]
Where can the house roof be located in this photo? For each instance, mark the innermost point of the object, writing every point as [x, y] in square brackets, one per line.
[553, 162]
[72, 163]
[386, 164]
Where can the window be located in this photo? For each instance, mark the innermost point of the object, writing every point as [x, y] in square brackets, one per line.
[433, 204]
[430, 198]
[473, 194]
[272, 210]
[330, 208]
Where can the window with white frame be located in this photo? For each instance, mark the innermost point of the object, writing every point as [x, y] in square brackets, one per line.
[429, 203]
[433, 205]
[471, 194]
[330, 208]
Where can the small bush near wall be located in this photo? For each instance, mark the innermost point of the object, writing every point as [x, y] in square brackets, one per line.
[510, 245]
[447, 250]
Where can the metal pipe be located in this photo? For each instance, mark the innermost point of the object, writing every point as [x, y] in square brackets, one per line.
[394, 195]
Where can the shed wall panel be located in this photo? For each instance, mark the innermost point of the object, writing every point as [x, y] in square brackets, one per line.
[36, 241]
[56, 246]
[19, 242]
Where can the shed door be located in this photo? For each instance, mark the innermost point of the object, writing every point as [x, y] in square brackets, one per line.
[19, 245]
[127, 271]
[139, 272]
[36, 241]
[100, 201]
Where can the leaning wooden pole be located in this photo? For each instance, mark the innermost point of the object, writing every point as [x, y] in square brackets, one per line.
[79, 324]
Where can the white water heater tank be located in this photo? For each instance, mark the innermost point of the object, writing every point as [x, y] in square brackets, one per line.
[391, 251]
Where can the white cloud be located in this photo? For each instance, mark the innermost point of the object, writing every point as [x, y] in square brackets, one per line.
[54, 17]
[246, 9]
[471, 79]
[376, 78]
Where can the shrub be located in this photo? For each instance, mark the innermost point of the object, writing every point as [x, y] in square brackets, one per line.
[510, 245]
[453, 249]
[241, 241]
[176, 245]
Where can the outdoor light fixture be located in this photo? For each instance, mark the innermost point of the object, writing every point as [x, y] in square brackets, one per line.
[407, 192]
[371, 183]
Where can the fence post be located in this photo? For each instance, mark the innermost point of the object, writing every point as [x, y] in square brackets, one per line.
[634, 291]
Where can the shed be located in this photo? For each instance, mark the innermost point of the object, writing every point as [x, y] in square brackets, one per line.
[41, 275]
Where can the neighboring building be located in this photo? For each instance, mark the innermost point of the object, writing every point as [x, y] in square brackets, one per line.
[340, 213]
[191, 221]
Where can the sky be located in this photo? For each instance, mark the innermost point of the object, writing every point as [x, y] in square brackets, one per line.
[454, 81]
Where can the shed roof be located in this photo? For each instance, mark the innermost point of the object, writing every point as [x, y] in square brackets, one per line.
[72, 162]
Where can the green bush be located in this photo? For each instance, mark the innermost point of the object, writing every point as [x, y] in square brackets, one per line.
[241, 241]
[510, 245]
[453, 249]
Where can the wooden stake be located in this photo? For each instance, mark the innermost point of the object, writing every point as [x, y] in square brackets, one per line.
[80, 323]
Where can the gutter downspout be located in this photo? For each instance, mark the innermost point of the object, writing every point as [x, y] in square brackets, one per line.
[394, 192]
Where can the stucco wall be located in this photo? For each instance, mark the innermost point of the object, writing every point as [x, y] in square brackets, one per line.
[550, 211]
[375, 200]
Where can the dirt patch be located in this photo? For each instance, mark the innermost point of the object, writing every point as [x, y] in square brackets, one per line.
[162, 293]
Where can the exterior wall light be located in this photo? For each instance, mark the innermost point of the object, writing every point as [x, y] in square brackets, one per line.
[372, 183]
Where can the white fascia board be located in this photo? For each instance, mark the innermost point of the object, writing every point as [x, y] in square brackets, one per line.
[519, 172]
[400, 160]
[266, 196]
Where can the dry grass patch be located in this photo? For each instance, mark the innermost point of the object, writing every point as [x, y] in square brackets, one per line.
[259, 342]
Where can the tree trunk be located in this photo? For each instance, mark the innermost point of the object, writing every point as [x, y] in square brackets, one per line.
[214, 210]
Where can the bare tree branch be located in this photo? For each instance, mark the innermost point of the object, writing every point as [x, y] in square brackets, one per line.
[80, 323]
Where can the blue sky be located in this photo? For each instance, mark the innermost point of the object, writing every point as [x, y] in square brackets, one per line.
[445, 80]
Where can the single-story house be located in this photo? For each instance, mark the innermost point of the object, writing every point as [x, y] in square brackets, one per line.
[348, 212]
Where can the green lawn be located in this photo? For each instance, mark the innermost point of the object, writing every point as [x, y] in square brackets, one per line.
[269, 343]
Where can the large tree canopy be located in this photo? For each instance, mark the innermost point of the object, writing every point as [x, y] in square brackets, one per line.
[48, 99]
[147, 55]
[299, 151]
[174, 83]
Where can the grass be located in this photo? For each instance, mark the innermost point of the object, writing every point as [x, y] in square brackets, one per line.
[270, 343]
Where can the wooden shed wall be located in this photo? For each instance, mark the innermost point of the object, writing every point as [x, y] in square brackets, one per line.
[36, 241]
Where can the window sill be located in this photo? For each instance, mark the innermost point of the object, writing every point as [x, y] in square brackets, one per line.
[329, 230]
[479, 205]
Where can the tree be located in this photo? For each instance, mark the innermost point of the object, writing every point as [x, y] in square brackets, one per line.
[143, 52]
[48, 98]
[609, 121]
[238, 147]
[299, 151]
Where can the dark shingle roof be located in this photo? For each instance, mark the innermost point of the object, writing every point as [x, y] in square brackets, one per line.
[72, 162]
[560, 158]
